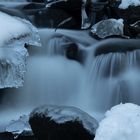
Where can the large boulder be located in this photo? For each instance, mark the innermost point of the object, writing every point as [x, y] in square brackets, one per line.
[61, 122]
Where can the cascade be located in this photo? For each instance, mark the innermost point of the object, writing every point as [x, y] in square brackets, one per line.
[95, 85]
[113, 78]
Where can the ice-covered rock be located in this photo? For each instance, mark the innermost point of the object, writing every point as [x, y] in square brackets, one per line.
[16, 29]
[62, 122]
[126, 3]
[122, 122]
[14, 34]
[107, 28]
[129, 10]
[20, 127]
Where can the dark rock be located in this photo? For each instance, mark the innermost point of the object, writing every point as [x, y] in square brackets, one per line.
[130, 14]
[73, 52]
[26, 138]
[71, 7]
[39, 1]
[96, 10]
[108, 28]
[116, 53]
[116, 45]
[62, 45]
[13, 12]
[62, 14]
[62, 123]
[6, 136]
[135, 29]
[52, 18]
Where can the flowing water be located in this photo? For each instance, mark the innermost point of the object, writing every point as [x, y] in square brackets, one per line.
[95, 85]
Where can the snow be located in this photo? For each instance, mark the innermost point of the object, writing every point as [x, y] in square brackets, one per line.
[11, 28]
[126, 3]
[122, 122]
[14, 33]
[61, 114]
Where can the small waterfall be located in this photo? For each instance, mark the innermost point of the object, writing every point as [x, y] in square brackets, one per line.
[113, 78]
[51, 78]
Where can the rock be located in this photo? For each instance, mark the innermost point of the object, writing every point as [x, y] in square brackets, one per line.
[6, 136]
[52, 18]
[13, 12]
[62, 45]
[61, 122]
[130, 14]
[73, 52]
[20, 128]
[71, 7]
[116, 45]
[108, 28]
[96, 10]
[40, 1]
[135, 29]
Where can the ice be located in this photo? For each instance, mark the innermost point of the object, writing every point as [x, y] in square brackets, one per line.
[14, 33]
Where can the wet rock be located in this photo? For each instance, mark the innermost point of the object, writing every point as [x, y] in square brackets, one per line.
[96, 10]
[116, 45]
[108, 28]
[135, 29]
[52, 18]
[73, 52]
[26, 138]
[61, 122]
[13, 12]
[40, 1]
[71, 7]
[6, 136]
[130, 14]
[62, 45]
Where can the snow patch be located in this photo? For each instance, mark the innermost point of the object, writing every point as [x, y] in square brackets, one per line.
[126, 3]
[122, 122]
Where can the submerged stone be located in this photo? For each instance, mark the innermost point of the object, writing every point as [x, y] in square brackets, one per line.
[108, 28]
[61, 122]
